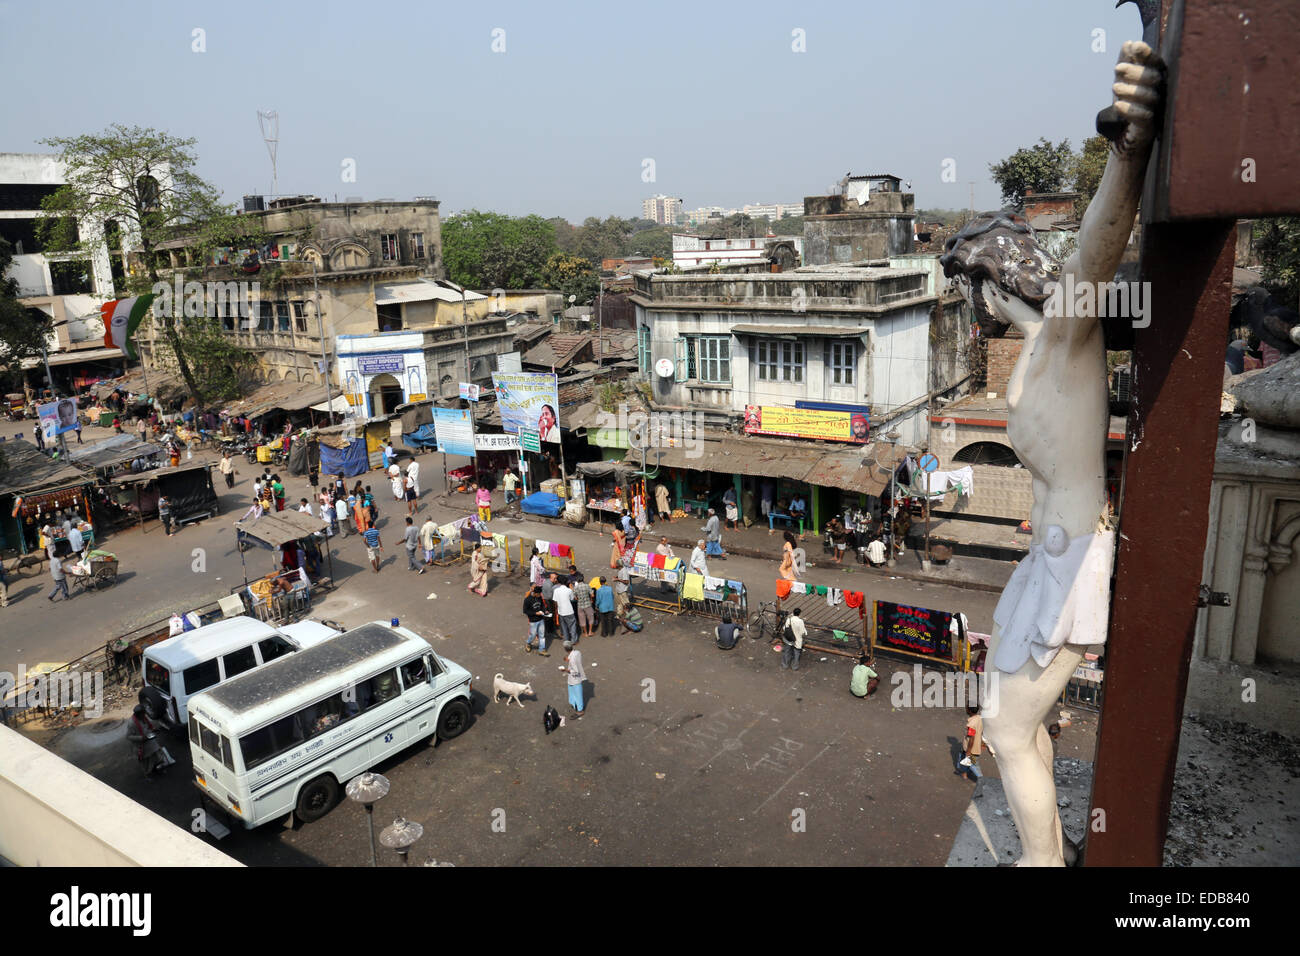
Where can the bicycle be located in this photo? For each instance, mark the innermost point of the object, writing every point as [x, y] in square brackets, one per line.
[758, 625]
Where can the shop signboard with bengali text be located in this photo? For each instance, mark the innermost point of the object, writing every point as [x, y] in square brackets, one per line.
[806, 423]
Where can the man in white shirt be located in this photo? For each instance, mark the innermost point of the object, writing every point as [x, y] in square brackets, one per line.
[305, 507]
[792, 640]
[698, 563]
[76, 541]
[876, 552]
[562, 595]
[413, 472]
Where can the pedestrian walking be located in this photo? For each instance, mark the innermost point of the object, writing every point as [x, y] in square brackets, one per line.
[536, 570]
[413, 472]
[535, 613]
[478, 571]
[117, 425]
[411, 538]
[730, 507]
[566, 612]
[227, 468]
[341, 514]
[510, 482]
[77, 428]
[792, 636]
[575, 675]
[395, 482]
[39, 436]
[483, 498]
[605, 607]
[623, 584]
[277, 491]
[165, 513]
[408, 490]
[788, 571]
[313, 478]
[662, 502]
[698, 564]
[973, 744]
[4, 586]
[428, 538]
[368, 501]
[60, 579]
[713, 535]
[373, 547]
[582, 602]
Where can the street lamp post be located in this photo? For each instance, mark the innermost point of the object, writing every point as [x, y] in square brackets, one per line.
[368, 789]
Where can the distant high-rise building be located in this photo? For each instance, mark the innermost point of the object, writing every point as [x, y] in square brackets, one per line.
[664, 210]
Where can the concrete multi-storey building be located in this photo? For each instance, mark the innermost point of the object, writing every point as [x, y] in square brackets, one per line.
[665, 210]
[67, 287]
[692, 252]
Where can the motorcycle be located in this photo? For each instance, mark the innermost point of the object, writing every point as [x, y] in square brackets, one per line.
[150, 751]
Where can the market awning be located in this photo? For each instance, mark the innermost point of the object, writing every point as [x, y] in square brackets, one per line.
[340, 405]
[27, 471]
[153, 473]
[112, 450]
[288, 396]
[748, 456]
[277, 528]
[82, 355]
[846, 469]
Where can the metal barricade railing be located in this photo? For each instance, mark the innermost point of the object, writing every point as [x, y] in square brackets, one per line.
[280, 606]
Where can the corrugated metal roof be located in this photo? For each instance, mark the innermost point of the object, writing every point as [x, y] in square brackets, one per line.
[422, 290]
[27, 471]
[845, 469]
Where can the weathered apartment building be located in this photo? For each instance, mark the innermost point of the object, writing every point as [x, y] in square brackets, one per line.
[394, 329]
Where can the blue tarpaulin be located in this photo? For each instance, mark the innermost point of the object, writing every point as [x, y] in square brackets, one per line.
[422, 437]
[348, 462]
[543, 503]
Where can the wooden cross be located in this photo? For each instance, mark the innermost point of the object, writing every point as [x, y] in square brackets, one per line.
[1229, 149]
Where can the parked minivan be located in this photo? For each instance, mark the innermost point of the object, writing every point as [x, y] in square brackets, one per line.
[178, 668]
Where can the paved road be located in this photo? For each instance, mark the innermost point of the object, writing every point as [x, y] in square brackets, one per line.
[729, 760]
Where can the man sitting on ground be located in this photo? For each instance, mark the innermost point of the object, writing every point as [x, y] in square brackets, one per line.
[726, 634]
[864, 681]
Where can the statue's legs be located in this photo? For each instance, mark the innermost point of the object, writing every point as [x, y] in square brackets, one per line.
[1025, 750]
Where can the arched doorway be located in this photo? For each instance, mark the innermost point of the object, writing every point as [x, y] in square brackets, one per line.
[385, 394]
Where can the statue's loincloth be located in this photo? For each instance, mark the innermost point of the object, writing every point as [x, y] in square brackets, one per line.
[1055, 599]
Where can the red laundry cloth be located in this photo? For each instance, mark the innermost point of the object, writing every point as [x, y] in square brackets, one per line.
[657, 560]
[565, 551]
[783, 588]
[853, 598]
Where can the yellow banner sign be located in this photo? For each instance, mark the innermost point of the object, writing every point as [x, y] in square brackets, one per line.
[806, 423]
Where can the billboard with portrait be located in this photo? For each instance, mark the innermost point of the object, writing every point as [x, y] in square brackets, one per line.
[529, 400]
[806, 423]
[58, 417]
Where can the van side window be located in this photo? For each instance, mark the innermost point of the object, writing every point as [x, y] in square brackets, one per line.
[378, 689]
[210, 741]
[194, 729]
[414, 673]
[321, 716]
[239, 661]
[226, 757]
[273, 647]
[201, 676]
[261, 745]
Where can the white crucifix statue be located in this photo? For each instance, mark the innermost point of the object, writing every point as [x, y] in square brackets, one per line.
[1055, 606]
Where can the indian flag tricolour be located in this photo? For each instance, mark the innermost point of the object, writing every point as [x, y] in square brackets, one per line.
[121, 319]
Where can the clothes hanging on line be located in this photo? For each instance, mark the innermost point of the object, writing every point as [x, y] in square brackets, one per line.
[693, 588]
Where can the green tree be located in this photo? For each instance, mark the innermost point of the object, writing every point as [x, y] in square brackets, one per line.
[22, 330]
[1088, 167]
[572, 275]
[489, 250]
[226, 368]
[1277, 243]
[1042, 167]
[656, 243]
[143, 181]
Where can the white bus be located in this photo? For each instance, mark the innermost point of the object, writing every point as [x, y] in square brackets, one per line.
[287, 736]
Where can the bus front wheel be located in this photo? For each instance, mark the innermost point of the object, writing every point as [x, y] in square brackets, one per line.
[453, 720]
[317, 798]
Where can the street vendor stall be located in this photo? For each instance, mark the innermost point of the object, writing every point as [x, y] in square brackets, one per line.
[296, 538]
[189, 488]
[606, 486]
[35, 491]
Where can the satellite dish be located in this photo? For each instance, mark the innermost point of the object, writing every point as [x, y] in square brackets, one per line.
[664, 367]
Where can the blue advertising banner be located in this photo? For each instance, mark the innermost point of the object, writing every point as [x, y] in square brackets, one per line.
[529, 400]
[379, 364]
[454, 430]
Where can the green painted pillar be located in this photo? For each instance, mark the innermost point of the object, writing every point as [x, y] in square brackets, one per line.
[816, 501]
[677, 483]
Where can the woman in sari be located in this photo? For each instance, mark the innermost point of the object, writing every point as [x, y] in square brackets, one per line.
[478, 572]
[620, 546]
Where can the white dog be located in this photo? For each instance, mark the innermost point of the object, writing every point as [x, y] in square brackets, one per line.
[512, 690]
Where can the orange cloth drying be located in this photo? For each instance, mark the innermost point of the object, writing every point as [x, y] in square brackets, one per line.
[783, 589]
[853, 598]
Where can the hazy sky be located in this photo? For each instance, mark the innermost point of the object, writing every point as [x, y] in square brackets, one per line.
[562, 120]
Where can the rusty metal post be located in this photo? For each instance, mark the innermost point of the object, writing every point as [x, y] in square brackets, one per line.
[1173, 431]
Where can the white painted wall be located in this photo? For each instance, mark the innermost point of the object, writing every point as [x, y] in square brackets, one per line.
[54, 814]
[900, 368]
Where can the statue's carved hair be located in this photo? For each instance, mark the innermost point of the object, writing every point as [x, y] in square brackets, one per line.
[1001, 247]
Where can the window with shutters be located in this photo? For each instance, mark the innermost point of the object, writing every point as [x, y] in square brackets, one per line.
[779, 361]
[417, 245]
[388, 246]
[643, 348]
[713, 359]
[843, 361]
